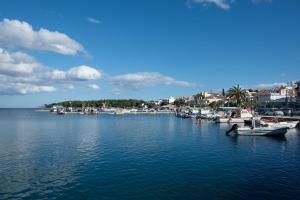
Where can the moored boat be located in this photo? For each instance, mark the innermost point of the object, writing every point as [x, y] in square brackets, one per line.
[279, 122]
[262, 131]
[257, 129]
[61, 112]
[183, 115]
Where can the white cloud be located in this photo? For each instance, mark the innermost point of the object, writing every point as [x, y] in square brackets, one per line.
[28, 88]
[146, 79]
[93, 20]
[57, 74]
[94, 87]
[20, 34]
[69, 87]
[80, 73]
[83, 73]
[261, 1]
[23, 88]
[224, 4]
[268, 85]
[17, 63]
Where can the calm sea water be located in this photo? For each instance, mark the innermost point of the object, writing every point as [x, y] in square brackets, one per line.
[46, 156]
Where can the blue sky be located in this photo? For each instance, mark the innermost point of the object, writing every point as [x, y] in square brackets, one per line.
[147, 49]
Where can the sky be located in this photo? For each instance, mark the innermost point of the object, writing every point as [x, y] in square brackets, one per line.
[56, 50]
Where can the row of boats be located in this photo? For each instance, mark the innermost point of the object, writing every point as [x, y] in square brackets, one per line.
[116, 111]
[244, 123]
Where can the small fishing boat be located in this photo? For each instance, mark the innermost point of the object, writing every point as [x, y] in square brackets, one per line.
[257, 129]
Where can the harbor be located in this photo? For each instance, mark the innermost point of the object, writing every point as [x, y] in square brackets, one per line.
[251, 113]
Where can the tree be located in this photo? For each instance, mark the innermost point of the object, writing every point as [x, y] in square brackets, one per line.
[179, 102]
[236, 93]
[215, 104]
[223, 93]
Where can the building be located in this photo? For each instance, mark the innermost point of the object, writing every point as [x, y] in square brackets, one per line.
[189, 99]
[269, 96]
[161, 102]
[250, 96]
[210, 97]
[171, 100]
[278, 95]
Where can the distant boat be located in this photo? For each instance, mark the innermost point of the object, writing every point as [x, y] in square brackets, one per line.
[61, 112]
[91, 111]
[121, 111]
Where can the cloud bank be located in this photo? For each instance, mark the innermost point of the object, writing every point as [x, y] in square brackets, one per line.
[20, 73]
[268, 85]
[20, 34]
[146, 79]
[17, 63]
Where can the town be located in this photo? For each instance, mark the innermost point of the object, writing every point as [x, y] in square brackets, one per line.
[282, 100]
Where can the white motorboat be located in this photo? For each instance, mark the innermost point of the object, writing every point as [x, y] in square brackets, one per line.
[262, 131]
[279, 122]
[256, 129]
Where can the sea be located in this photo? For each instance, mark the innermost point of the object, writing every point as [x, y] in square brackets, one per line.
[140, 156]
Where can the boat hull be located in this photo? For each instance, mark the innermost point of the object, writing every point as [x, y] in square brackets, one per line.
[273, 132]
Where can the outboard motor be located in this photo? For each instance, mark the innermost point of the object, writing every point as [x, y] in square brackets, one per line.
[233, 128]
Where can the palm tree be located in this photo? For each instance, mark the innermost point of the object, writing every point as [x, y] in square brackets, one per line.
[236, 93]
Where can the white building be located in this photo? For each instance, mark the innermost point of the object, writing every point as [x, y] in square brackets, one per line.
[278, 97]
[171, 100]
[160, 101]
[268, 97]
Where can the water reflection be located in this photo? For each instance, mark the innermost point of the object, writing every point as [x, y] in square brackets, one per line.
[89, 134]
